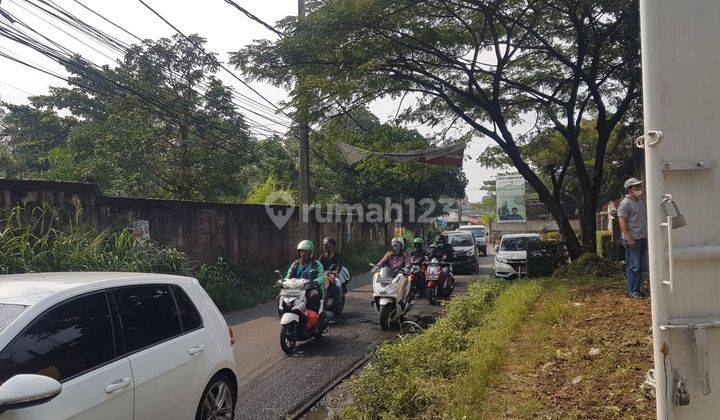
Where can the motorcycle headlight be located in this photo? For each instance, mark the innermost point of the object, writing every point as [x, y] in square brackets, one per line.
[501, 259]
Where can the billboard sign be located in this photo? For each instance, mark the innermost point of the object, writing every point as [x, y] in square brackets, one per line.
[510, 190]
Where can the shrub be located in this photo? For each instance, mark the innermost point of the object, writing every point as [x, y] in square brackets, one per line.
[356, 255]
[552, 236]
[609, 249]
[544, 257]
[590, 265]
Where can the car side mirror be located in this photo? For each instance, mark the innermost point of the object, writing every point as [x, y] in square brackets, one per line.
[278, 274]
[25, 390]
[497, 248]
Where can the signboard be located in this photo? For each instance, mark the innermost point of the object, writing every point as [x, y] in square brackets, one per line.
[510, 190]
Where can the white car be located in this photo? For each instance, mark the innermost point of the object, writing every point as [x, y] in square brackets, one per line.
[511, 254]
[113, 346]
[479, 232]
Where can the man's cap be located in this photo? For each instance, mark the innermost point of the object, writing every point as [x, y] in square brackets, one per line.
[632, 182]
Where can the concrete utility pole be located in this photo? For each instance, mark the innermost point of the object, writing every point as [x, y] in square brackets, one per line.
[303, 131]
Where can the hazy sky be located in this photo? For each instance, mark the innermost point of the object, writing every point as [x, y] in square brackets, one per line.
[225, 28]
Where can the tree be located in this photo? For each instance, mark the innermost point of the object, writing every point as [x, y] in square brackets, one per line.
[487, 63]
[159, 124]
[374, 179]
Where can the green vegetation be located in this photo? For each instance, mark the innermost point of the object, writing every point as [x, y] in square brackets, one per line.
[590, 265]
[546, 256]
[607, 248]
[448, 368]
[45, 238]
[356, 255]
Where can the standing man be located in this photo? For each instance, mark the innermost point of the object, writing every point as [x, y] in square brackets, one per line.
[632, 213]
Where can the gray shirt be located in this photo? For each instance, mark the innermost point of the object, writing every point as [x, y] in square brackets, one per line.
[634, 210]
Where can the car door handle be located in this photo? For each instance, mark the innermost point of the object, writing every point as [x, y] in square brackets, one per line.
[195, 350]
[116, 385]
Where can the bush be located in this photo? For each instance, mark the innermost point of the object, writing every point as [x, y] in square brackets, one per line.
[590, 265]
[544, 257]
[44, 238]
[356, 255]
[609, 249]
[552, 236]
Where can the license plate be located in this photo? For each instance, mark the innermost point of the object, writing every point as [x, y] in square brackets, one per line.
[291, 292]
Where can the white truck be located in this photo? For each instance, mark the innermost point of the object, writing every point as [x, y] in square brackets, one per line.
[681, 97]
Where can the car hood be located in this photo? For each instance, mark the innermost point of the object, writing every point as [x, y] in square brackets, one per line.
[462, 249]
[513, 255]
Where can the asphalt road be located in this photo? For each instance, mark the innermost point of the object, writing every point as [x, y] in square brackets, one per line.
[273, 384]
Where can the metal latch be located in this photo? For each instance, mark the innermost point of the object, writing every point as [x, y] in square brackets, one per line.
[676, 221]
[698, 326]
[680, 394]
[651, 138]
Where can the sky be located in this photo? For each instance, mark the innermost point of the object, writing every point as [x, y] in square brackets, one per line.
[225, 28]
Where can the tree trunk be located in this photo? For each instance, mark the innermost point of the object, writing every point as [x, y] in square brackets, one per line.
[571, 240]
[588, 224]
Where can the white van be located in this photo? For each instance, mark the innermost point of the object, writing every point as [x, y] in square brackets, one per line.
[479, 232]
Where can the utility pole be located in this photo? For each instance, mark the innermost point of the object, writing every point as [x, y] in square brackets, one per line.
[303, 129]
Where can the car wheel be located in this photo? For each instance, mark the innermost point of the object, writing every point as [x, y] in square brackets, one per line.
[218, 400]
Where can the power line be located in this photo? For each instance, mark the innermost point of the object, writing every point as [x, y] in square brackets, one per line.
[253, 17]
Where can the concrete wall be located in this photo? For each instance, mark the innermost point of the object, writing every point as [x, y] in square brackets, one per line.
[242, 234]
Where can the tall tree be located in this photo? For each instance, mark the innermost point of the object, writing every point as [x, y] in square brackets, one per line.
[488, 63]
[158, 124]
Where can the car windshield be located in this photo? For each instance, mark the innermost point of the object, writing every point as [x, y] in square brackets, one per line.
[477, 232]
[460, 240]
[8, 313]
[516, 244]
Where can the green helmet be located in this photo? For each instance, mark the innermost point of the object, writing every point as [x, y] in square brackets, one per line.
[419, 241]
[307, 245]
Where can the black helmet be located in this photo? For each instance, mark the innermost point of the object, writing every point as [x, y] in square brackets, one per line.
[329, 244]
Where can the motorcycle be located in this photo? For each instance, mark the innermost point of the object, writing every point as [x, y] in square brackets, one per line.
[417, 277]
[336, 289]
[386, 295]
[301, 311]
[438, 283]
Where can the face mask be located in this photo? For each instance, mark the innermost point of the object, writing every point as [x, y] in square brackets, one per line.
[637, 193]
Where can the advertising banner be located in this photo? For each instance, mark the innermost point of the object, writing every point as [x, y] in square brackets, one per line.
[510, 190]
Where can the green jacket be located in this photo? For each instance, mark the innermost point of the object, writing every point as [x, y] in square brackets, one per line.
[296, 270]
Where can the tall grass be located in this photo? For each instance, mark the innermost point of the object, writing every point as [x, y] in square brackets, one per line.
[446, 370]
[45, 238]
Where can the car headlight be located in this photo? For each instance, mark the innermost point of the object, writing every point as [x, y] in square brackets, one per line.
[471, 253]
[501, 259]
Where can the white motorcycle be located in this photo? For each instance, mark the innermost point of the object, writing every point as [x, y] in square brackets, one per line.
[386, 295]
[301, 311]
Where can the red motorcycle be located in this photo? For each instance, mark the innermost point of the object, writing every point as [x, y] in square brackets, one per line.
[439, 282]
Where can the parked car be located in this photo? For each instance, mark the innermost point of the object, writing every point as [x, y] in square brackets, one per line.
[113, 346]
[466, 253]
[511, 254]
[479, 232]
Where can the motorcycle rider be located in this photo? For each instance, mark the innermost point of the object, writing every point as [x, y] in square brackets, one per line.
[303, 265]
[443, 251]
[396, 259]
[418, 257]
[328, 259]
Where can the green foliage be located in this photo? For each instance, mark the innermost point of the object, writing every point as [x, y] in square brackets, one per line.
[374, 179]
[590, 265]
[442, 371]
[357, 255]
[260, 192]
[551, 236]
[187, 143]
[609, 249]
[546, 256]
[45, 238]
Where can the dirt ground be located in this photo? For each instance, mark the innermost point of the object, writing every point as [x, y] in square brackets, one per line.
[583, 353]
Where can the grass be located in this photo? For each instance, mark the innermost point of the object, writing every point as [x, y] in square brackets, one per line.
[45, 238]
[449, 367]
[583, 353]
